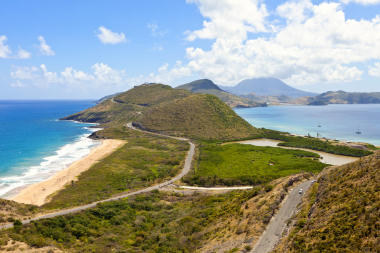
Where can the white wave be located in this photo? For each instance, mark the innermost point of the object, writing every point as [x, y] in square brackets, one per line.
[50, 165]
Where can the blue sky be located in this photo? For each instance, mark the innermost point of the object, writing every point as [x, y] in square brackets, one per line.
[87, 49]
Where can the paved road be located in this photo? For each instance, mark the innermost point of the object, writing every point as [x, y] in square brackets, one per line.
[273, 232]
[185, 170]
[216, 188]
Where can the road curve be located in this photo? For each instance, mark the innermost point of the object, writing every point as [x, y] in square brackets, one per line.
[186, 168]
[273, 232]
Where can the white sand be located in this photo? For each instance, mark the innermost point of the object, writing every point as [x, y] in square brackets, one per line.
[37, 194]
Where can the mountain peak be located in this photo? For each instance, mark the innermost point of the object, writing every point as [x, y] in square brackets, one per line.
[201, 84]
[266, 86]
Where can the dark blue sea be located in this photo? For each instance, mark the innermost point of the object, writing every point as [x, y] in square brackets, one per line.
[340, 122]
[34, 144]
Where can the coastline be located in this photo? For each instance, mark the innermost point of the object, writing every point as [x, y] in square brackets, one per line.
[38, 193]
[327, 158]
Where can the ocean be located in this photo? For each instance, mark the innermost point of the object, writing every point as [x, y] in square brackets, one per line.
[34, 144]
[332, 121]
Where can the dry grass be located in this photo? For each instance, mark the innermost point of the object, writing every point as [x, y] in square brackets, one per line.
[341, 212]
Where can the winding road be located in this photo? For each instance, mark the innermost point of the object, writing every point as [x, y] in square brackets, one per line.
[268, 239]
[277, 224]
[186, 168]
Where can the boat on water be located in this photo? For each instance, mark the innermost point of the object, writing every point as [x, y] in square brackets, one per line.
[358, 131]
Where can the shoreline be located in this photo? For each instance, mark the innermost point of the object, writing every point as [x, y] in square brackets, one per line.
[38, 193]
[327, 158]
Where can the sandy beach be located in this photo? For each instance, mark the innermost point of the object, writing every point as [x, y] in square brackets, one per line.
[37, 194]
[325, 157]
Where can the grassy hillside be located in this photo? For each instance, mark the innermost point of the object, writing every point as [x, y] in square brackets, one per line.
[160, 222]
[198, 116]
[143, 161]
[129, 105]
[150, 94]
[341, 212]
[162, 108]
[239, 164]
[205, 86]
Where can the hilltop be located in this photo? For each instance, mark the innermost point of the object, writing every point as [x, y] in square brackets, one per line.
[200, 116]
[342, 97]
[266, 87]
[159, 107]
[206, 86]
[340, 213]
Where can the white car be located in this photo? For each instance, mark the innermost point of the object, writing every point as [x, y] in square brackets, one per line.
[300, 191]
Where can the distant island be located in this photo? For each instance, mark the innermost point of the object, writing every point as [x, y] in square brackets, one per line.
[206, 86]
[266, 87]
[342, 97]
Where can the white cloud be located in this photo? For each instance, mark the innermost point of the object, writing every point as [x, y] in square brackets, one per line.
[101, 75]
[314, 43]
[166, 75]
[155, 30]
[23, 54]
[106, 36]
[5, 52]
[24, 73]
[105, 74]
[363, 2]
[45, 49]
[72, 76]
[17, 84]
[229, 19]
[375, 70]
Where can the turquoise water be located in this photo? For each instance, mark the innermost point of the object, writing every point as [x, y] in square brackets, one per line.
[34, 144]
[336, 121]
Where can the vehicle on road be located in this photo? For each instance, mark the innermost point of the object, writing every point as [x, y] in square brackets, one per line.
[300, 191]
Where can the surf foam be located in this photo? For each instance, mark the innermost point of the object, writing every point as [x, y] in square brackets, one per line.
[63, 157]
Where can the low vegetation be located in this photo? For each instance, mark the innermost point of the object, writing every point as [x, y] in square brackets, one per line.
[159, 222]
[10, 211]
[239, 164]
[314, 143]
[341, 212]
[144, 160]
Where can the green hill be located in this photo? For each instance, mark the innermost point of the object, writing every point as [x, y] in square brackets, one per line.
[206, 86]
[162, 108]
[341, 212]
[200, 116]
[129, 105]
